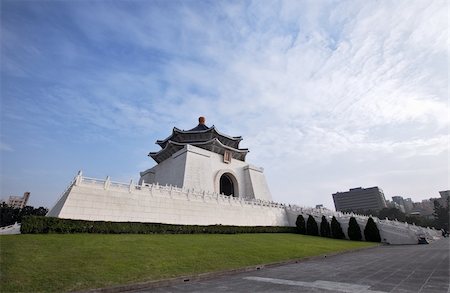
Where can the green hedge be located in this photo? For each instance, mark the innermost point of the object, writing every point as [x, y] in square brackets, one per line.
[39, 225]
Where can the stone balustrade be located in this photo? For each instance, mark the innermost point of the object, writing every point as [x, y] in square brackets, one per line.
[168, 190]
[103, 199]
[10, 230]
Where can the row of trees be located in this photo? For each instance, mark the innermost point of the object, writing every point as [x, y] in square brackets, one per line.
[439, 221]
[334, 230]
[10, 215]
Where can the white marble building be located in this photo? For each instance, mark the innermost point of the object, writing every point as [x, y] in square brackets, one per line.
[201, 179]
[205, 159]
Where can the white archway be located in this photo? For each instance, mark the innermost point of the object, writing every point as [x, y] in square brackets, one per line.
[231, 175]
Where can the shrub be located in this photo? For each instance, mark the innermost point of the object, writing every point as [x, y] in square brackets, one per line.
[371, 231]
[300, 224]
[325, 228]
[35, 225]
[336, 229]
[354, 232]
[9, 215]
[311, 226]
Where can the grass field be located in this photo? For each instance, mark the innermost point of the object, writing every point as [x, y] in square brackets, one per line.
[58, 262]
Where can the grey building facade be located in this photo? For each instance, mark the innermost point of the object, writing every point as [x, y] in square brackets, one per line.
[444, 194]
[409, 205]
[360, 199]
[400, 201]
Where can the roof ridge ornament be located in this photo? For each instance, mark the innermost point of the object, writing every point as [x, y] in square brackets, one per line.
[201, 120]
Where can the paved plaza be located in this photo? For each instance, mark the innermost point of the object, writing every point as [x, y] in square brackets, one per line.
[400, 268]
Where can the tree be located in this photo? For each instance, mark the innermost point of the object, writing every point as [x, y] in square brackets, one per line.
[420, 221]
[311, 226]
[354, 232]
[10, 215]
[31, 211]
[441, 216]
[336, 229]
[392, 214]
[371, 232]
[300, 223]
[325, 230]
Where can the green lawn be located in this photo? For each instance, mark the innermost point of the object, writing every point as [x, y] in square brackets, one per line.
[60, 262]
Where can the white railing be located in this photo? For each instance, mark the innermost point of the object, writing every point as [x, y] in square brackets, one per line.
[67, 190]
[169, 190]
[11, 229]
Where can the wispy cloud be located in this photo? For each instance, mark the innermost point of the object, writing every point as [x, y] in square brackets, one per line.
[303, 82]
[5, 147]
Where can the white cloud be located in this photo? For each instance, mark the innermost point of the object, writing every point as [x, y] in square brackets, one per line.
[5, 147]
[304, 83]
[300, 93]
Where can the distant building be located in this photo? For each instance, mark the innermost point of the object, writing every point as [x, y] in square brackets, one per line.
[425, 208]
[17, 201]
[390, 204]
[395, 205]
[360, 199]
[444, 194]
[409, 205]
[400, 203]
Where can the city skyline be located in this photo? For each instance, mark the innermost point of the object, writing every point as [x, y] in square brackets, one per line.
[327, 95]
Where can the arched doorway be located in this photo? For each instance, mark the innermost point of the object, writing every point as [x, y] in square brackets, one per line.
[226, 185]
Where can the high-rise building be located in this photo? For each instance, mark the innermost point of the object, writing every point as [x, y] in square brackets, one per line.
[360, 199]
[17, 201]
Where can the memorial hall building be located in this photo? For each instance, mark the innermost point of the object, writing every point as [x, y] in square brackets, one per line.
[204, 159]
[201, 177]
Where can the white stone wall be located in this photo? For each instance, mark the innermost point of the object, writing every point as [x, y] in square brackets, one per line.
[61, 201]
[170, 171]
[257, 183]
[105, 200]
[10, 230]
[392, 232]
[199, 169]
[199, 165]
[102, 200]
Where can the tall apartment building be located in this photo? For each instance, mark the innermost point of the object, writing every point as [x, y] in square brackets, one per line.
[17, 201]
[359, 199]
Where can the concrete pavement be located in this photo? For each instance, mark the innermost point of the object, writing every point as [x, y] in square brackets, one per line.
[399, 268]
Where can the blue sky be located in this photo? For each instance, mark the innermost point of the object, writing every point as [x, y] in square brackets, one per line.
[328, 95]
